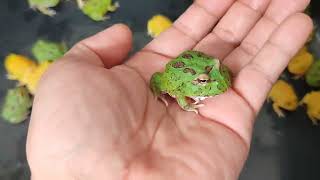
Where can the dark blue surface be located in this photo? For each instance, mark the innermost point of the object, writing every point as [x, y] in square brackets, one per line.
[282, 149]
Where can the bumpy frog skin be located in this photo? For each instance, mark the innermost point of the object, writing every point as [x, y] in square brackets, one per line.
[283, 96]
[313, 75]
[44, 6]
[192, 75]
[312, 101]
[301, 63]
[33, 78]
[16, 105]
[96, 9]
[44, 50]
[18, 67]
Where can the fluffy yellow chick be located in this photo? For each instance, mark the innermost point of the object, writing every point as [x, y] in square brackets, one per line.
[157, 24]
[283, 96]
[18, 67]
[312, 100]
[301, 63]
[33, 78]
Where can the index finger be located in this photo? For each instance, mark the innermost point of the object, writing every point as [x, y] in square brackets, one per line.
[190, 27]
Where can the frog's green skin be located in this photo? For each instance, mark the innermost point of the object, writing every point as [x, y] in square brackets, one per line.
[44, 6]
[192, 75]
[313, 75]
[44, 50]
[17, 104]
[96, 9]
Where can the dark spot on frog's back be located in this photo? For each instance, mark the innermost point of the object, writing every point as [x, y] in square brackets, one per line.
[187, 56]
[189, 70]
[178, 64]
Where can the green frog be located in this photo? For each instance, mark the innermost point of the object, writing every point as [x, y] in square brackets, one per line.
[17, 104]
[44, 50]
[313, 75]
[96, 9]
[190, 78]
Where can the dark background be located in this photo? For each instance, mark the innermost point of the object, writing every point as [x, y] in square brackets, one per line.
[282, 149]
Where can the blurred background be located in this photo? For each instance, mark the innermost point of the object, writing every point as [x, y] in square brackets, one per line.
[282, 148]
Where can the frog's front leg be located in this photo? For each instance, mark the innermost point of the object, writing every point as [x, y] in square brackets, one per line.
[187, 106]
[114, 7]
[47, 11]
[111, 8]
[80, 3]
[156, 88]
[312, 118]
[277, 109]
[297, 77]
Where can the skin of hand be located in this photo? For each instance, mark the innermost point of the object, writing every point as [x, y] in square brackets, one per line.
[94, 116]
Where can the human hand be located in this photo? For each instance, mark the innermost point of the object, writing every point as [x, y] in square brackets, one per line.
[94, 116]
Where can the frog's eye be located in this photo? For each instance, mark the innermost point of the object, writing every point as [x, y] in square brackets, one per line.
[178, 64]
[202, 79]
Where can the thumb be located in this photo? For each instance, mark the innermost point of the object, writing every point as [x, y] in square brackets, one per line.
[111, 46]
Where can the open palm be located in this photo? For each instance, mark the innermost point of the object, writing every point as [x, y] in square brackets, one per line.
[94, 116]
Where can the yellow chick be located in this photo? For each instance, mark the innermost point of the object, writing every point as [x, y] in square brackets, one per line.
[312, 100]
[157, 24]
[283, 96]
[301, 63]
[33, 78]
[18, 67]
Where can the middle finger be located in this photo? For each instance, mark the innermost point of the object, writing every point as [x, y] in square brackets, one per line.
[233, 27]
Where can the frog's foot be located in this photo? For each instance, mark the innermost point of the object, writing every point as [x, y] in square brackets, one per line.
[104, 18]
[313, 119]
[114, 7]
[47, 11]
[296, 77]
[80, 3]
[196, 101]
[19, 84]
[301, 103]
[163, 99]
[277, 109]
[100, 18]
[10, 77]
[187, 105]
[193, 108]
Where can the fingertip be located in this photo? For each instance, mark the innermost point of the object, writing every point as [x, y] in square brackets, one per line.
[300, 23]
[126, 32]
[112, 45]
[293, 32]
[303, 17]
[123, 27]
